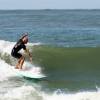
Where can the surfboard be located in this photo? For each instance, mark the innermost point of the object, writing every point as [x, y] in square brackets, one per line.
[30, 73]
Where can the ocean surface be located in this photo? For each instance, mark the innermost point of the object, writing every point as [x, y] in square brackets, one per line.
[65, 46]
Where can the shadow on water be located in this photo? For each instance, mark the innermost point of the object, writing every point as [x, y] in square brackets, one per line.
[36, 80]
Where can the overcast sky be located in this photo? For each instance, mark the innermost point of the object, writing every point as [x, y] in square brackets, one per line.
[49, 4]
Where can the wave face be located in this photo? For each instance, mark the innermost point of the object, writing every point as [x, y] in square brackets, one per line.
[75, 68]
[67, 70]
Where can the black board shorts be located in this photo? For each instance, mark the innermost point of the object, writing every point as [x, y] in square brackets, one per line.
[16, 54]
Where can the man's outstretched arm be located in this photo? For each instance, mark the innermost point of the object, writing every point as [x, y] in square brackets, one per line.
[27, 51]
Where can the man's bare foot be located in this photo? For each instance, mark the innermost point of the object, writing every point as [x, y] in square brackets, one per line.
[20, 68]
[16, 68]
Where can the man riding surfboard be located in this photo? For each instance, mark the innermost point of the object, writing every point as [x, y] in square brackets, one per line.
[18, 46]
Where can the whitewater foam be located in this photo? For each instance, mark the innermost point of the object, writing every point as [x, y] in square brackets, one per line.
[6, 46]
[76, 96]
[31, 93]
[21, 93]
[6, 69]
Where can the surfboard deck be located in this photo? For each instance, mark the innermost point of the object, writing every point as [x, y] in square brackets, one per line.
[32, 73]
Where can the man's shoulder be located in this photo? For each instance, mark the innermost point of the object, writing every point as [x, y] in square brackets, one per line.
[19, 41]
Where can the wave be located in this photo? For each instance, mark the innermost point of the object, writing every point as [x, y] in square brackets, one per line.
[8, 62]
[30, 93]
[69, 68]
[5, 71]
[6, 47]
[83, 61]
[54, 61]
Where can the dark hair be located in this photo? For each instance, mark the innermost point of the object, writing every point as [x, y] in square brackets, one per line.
[24, 35]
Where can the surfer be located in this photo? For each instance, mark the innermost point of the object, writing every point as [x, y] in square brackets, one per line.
[18, 46]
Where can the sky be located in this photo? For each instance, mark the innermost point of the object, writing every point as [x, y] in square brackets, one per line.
[49, 4]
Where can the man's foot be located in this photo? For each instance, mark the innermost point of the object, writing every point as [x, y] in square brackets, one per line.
[20, 67]
[16, 68]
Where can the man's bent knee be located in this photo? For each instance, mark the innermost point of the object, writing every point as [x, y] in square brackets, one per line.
[23, 58]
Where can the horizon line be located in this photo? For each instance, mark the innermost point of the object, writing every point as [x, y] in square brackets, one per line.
[55, 9]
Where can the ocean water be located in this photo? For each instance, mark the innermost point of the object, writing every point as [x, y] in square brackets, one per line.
[65, 48]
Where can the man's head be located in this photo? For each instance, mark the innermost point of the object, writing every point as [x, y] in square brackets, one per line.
[25, 39]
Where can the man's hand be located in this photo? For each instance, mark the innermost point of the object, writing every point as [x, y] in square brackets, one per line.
[27, 51]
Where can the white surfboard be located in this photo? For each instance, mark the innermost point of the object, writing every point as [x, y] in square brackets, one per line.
[30, 73]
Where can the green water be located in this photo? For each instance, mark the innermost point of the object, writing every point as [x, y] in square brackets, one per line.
[69, 68]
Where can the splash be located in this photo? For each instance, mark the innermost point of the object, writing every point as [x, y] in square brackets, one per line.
[76, 96]
[22, 93]
[7, 70]
[30, 93]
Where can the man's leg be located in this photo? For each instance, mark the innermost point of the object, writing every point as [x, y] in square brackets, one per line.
[18, 64]
[21, 62]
